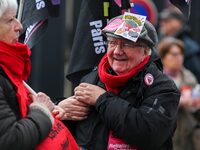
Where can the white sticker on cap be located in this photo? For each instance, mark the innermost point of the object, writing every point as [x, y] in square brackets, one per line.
[131, 27]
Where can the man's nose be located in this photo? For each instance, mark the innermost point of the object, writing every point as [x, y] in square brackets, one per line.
[119, 49]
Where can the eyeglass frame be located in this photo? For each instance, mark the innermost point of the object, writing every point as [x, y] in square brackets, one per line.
[123, 43]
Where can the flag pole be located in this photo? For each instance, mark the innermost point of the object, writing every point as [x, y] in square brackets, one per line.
[21, 8]
[29, 88]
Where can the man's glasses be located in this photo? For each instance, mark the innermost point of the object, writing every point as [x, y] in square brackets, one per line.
[123, 44]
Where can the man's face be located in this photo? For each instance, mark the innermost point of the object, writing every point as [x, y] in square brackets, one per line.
[124, 55]
[10, 27]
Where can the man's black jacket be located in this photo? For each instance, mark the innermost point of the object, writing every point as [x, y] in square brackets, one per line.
[142, 115]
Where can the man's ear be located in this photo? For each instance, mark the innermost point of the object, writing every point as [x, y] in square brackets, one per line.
[147, 51]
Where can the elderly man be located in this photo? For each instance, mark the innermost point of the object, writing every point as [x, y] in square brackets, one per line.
[127, 102]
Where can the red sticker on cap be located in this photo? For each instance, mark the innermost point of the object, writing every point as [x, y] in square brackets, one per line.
[148, 79]
[113, 25]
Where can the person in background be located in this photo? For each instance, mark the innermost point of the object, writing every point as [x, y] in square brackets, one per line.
[173, 23]
[128, 102]
[171, 51]
[26, 121]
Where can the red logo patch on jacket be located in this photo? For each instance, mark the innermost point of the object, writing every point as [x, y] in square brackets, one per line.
[148, 79]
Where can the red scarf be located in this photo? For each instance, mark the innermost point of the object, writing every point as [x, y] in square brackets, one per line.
[15, 61]
[112, 83]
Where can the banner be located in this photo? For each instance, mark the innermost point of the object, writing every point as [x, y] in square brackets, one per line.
[34, 19]
[89, 44]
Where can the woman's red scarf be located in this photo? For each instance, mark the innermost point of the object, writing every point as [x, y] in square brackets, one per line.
[113, 82]
[15, 61]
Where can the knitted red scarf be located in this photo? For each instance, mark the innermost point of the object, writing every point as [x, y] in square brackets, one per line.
[113, 82]
[15, 61]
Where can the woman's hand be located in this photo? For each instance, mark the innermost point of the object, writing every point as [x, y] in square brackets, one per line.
[43, 103]
[43, 100]
[74, 110]
[88, 93]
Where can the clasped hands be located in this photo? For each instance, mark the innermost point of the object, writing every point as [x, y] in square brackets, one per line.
[77, 106]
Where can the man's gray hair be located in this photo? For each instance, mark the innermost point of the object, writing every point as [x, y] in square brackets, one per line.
[7, 5]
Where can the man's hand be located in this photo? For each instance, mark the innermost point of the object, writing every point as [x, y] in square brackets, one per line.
[74, 110]
[88, 93]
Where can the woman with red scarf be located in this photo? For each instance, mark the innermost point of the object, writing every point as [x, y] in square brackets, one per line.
[129, 103]
[26, 121]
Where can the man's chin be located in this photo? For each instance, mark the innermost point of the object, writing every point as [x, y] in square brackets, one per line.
[119, 71]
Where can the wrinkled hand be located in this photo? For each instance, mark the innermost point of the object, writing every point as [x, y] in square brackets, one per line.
[88, 93]
[43, 100]
[74, 110]
[58, 112]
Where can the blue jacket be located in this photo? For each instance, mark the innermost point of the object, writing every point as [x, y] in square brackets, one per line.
[191, 54]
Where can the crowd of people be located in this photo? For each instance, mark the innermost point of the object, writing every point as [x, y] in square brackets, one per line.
[180, 56]
[144, 94]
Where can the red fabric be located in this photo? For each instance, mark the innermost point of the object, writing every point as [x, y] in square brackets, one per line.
[15, 61]
[59, 139]
[112, 83]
